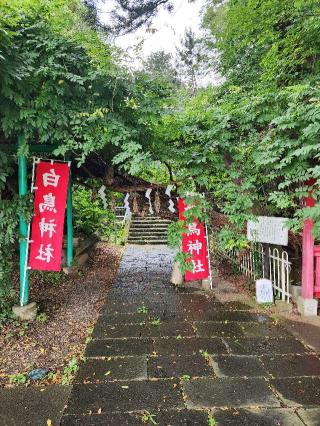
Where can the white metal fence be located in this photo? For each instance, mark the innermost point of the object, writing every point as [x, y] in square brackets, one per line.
[254, 261]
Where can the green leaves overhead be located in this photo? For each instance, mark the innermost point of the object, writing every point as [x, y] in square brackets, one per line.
[253, 142]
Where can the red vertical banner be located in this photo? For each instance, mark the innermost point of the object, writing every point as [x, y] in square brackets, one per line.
[51, 187]
[194, 242]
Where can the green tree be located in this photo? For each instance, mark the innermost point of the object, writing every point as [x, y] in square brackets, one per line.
[61, 85]
[190, 59]
[160, 65]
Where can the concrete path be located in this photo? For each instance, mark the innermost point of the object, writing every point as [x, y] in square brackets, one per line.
[175, 357]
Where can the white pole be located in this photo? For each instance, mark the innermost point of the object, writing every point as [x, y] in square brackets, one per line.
[208, 254]
[28, 239]
[208, 248]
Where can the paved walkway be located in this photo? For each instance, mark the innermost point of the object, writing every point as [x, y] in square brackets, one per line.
[188, 359]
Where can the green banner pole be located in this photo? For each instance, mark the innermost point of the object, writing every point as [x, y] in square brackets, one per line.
[23, 226]
[69, 223]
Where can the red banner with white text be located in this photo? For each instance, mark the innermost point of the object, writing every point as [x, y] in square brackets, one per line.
[51, 187]
[194, 242]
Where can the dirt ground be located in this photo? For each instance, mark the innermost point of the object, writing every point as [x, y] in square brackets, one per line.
[68, 308]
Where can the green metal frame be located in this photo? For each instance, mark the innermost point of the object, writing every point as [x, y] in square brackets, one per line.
[23, 225]
[69, 223]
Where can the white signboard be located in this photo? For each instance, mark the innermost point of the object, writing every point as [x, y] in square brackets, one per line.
[271, 230]
[264, 292]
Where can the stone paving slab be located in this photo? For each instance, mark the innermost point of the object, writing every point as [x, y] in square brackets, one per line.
[182, 289]
[125, 396]
[298, 391]
[238, 366]
[118, 368]
[174, 328]
[122, 308]
[163, 418]
[220, 315]
[239, 329]
[149, 327]
[121, 319]
[119, 347]
[22, 406]
[110, 419]
[106, 331]
[310, 416]
[292, 365]
[178, 366]
[256, 417]
[194, 300]
[234, 306]
[261, 346]
[189, 346]
[162, 310]
[218, 329]
[228, 392]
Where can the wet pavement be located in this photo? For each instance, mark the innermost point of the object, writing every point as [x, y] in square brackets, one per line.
[175, 357]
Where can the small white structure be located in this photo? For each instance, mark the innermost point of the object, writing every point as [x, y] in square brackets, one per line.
[264, 291]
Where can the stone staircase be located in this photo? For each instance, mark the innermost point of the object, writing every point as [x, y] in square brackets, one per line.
[148, 230]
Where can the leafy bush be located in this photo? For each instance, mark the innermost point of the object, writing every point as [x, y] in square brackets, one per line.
[89, 215]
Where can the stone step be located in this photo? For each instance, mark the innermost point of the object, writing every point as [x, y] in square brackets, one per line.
[144, 223]
[151, 238]
[149, 225]
[150, 242]
[148, 231]
[148, 237]
[151, 219]
[148, 218]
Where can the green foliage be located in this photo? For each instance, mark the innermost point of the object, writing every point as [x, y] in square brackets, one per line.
[253, 142]
[6, 314]
[9, 218]
[211, 420]
[272, 41]
[155, 322]
[186, 377]
[70, 371]
[190, 58]
[160, 65]
[205, 355]
[43, 317]
[148, 417]
[52, 278]
[143, 309]
[18, 379]
[175, 231]
[89, 216]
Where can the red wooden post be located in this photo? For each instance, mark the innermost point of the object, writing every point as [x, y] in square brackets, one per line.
[307, 289]
[307, 260]
[317, 274]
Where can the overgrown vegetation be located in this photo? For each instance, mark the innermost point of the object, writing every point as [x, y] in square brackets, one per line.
[253, 141]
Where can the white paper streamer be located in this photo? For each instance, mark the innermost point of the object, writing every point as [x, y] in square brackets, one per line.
[171, 203]
[126, 204]
[171, 206]
[148, 192]
[103, 196]
[168, 190]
